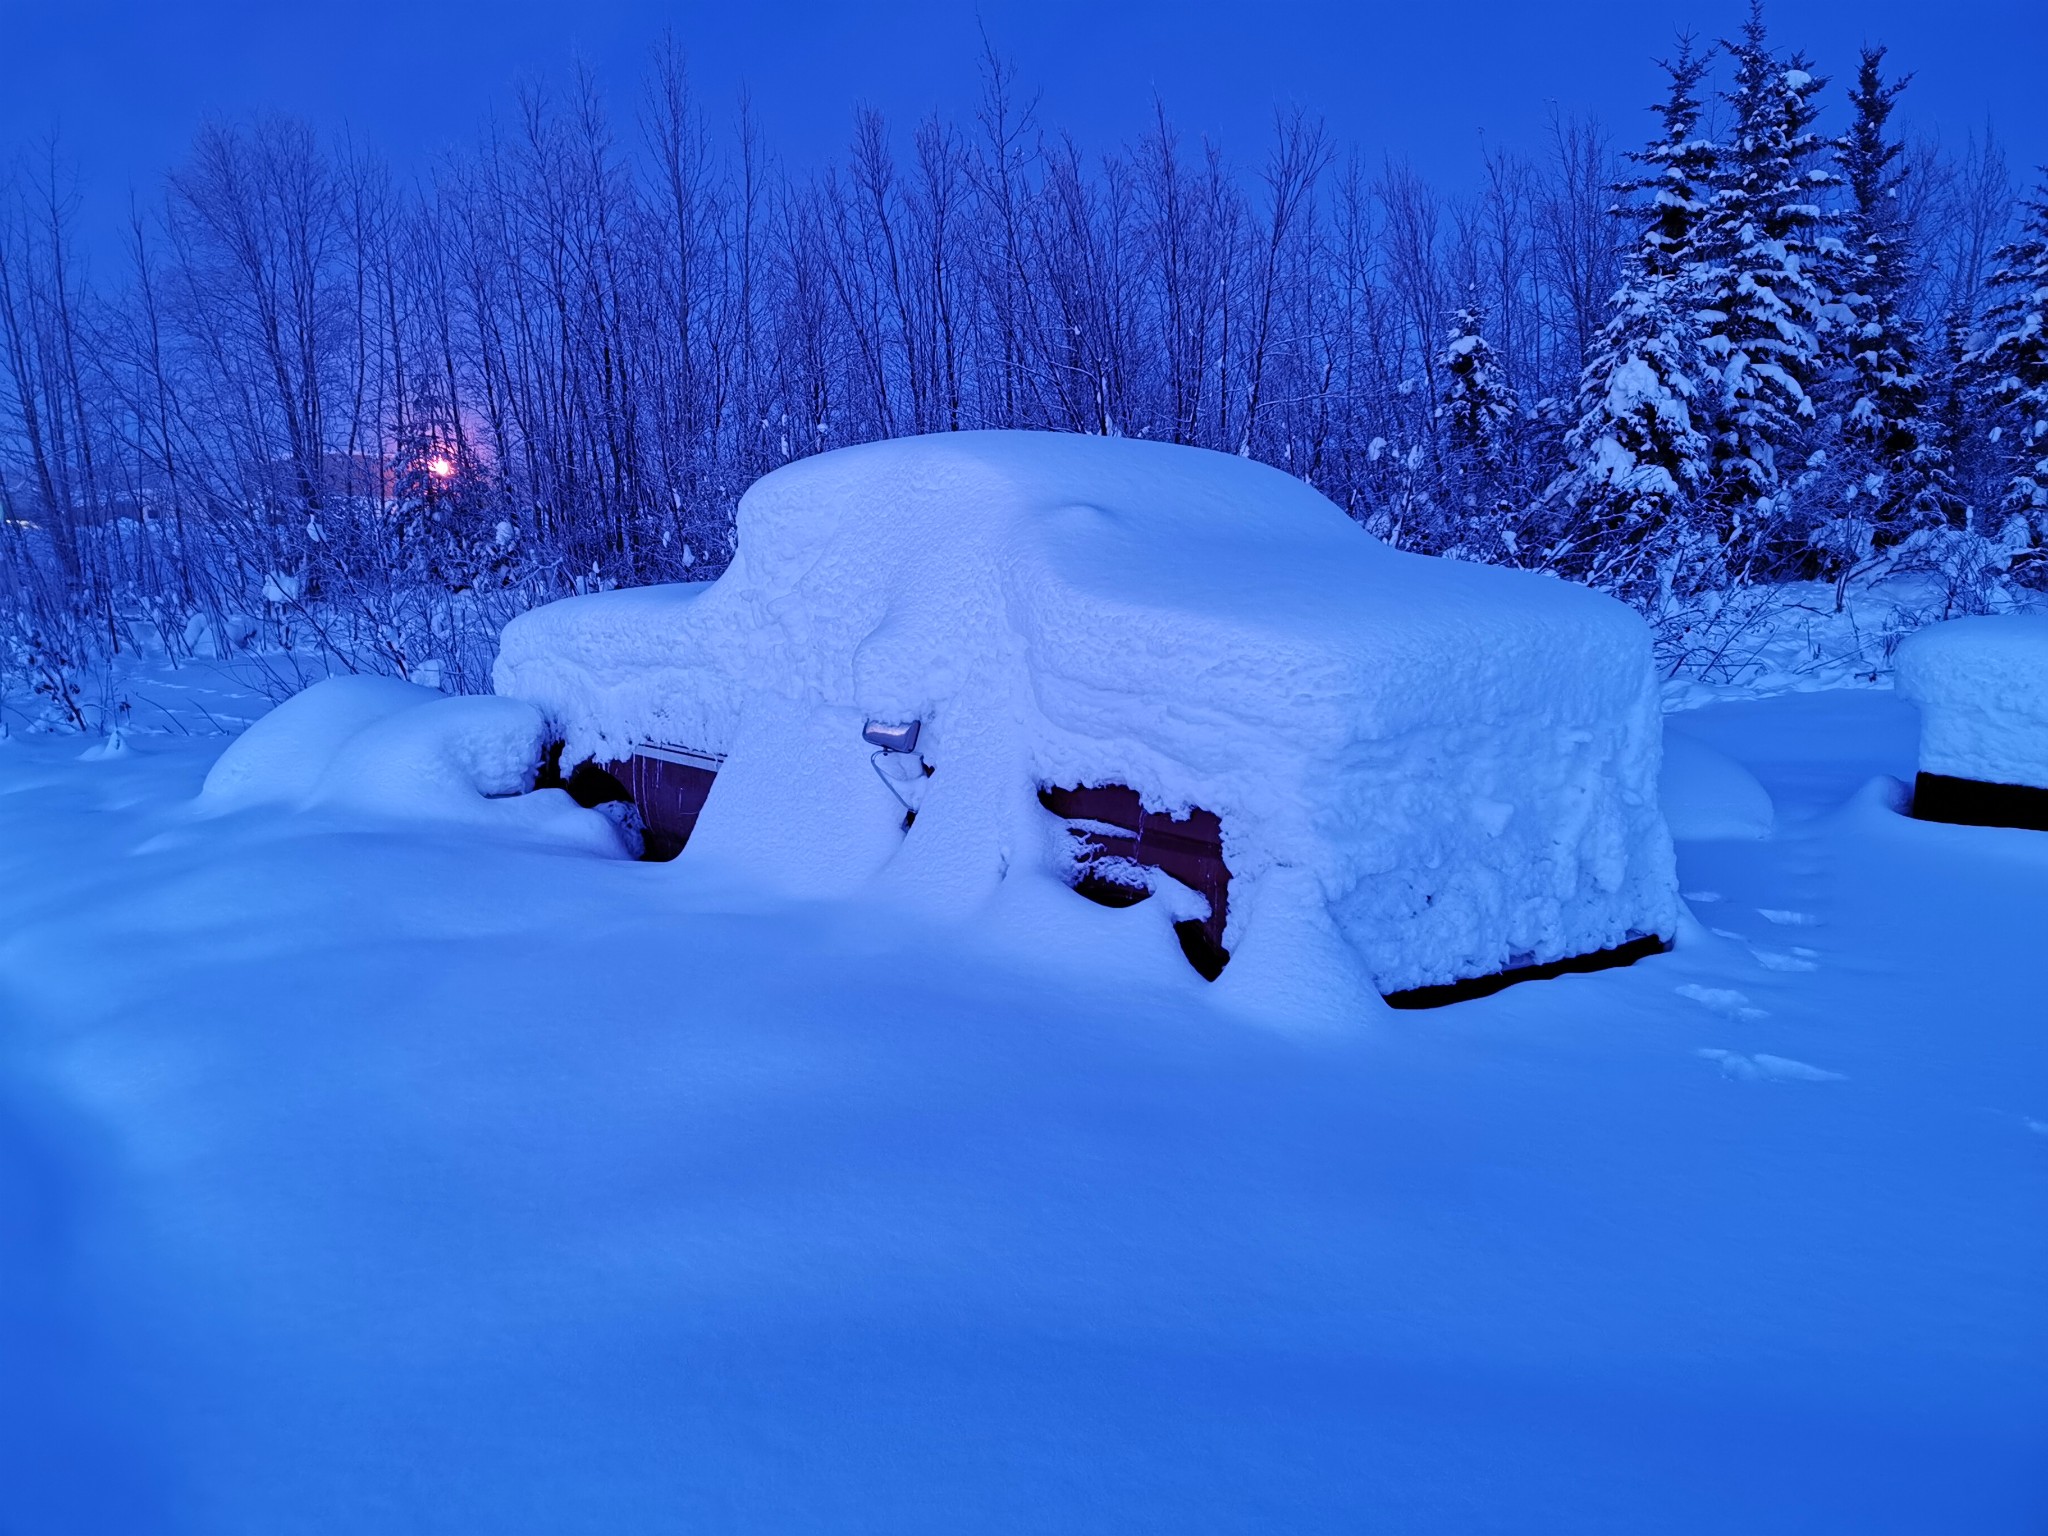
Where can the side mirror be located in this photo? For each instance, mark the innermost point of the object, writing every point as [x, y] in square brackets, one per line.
[891, 738]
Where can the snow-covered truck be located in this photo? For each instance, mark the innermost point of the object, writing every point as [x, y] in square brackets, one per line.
[1982, 688]
[938, 664]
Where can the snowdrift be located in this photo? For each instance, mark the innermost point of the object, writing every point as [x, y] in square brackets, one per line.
[279, 760]
[380, 748]
[1706, 795]
[1424, 770]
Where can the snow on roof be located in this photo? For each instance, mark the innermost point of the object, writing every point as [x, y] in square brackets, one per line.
[1982, 688]
[1433, 769]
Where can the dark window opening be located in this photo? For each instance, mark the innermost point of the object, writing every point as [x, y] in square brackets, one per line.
[666, 785]
[1111, 823]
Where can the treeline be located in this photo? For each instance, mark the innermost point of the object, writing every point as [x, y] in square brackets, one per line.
[317, 408]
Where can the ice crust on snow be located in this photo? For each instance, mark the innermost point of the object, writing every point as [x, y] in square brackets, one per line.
[374, 746]
[1982, 688]
[1424, 769]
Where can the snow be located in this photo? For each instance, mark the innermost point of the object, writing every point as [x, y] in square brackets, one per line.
[1708, 794]
[375, 747]
[368, 1175]
[281, 758]
[1982, 688]
[114, 744]
[1769, 1068]
[1425, 769]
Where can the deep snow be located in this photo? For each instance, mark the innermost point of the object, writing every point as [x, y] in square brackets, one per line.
[379, 748]
[359, 1175]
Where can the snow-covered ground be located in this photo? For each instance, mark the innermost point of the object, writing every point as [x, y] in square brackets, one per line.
[366, 1176]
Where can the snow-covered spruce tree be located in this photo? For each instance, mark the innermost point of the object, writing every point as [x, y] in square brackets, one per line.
[1949, 430]
[1888, 468]
[1970, 544]
[428, 486]
[1763, 252]
[2014, 367]
[418, 574]
[1637, 458]
[1476, 414]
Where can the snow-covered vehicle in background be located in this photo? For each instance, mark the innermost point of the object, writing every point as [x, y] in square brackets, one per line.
[942, 665]
[1982, 688]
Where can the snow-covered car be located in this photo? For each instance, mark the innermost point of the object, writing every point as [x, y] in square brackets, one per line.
[938, 666]
[1982, 688]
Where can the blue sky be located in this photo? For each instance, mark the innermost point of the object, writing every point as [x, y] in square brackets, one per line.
[128, 80]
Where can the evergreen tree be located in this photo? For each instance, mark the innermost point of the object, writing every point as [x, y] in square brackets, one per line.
[1945, 427]
[1763, 249]
[1961, 537]
[1637, 457]
[1476, 414]
[425, 471]
[1679, 173]
[1888, 461]
[2014, 365]
[1963, 418]
[440, 516]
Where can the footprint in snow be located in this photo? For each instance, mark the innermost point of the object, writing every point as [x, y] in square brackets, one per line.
[1798, 960]
[1763, 1068]
[1787, 919]
[1724, 1000]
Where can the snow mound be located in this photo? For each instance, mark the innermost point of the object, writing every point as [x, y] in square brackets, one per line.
[280, 757]
[1707, 795]
[466, 760]
[1982, 688]
[452, 751]
[372, 746]
[1425, 770]
[114, 747]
